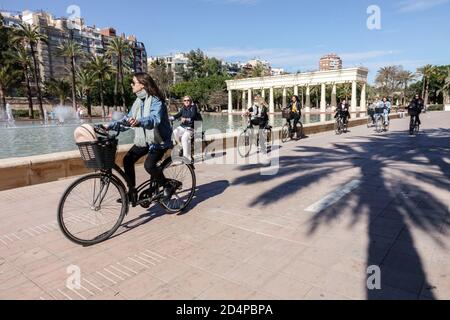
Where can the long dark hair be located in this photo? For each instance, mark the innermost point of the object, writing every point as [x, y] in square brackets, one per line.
[150, 85]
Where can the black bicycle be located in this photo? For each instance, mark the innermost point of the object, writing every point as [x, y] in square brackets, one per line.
[340, 125]
[248, 138]
[414, 125]
[288, 131]
[94, 206]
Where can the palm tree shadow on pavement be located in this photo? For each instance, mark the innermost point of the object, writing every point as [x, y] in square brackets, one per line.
[403, 184]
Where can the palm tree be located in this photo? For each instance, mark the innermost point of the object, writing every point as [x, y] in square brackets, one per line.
[445, 88]
[8, 76]
[86, 82]
[59, 88]
[387, 81]
[345, 91]
[427, 72]
[72, 51]
[405, 77]
[20, 56]
[101, 69]
[120, 52]
[31, 37]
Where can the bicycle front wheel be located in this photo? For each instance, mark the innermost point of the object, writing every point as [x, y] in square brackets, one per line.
[92, 209]
[181, 176]
[285, 133]
[245, 144]
[337, 127]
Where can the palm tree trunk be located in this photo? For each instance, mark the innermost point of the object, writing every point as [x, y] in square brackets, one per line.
[122, 86]
[2, 99]
[30, 98]
[426, 94]
[74, 97]
[88, 103]
[37, 81]
[102, 98]
[116, 88]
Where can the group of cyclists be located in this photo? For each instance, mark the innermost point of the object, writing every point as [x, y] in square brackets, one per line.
[153, 130]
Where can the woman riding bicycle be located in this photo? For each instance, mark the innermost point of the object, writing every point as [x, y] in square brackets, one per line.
[295, 110]
[153, 132]
[342, 111]
[415, 109]
[188, 114]
[258, 112]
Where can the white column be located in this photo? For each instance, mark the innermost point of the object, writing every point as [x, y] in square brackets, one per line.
[296, 91]
[230, 101]
[363, 98]
[284, 97]
[271, 102]
[250, 98]
[323, 101]
[263, 93]
[308, 100]
[354, 93]
[333, 97]
[244, 93]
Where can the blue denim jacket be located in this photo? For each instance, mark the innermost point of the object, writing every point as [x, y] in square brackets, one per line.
[158, 118]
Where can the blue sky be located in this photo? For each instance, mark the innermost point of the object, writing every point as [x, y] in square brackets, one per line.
[291, 34]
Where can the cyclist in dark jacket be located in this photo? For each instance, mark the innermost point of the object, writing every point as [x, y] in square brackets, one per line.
[342, 111]
[415, 107]
[296, 112]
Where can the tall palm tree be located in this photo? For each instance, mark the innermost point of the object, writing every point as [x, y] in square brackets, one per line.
[71, 51]
[427, 72]
[405, 77]
[387, 81]
[20, 56]
[101, 68]
[31, 37]
[86, 82]
[59, 88]
[120, 52]
[8, 76]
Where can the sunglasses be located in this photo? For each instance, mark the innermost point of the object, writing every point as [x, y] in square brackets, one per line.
[187, 100]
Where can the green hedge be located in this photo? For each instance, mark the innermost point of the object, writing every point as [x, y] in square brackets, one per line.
[24, 113]
[436, 107]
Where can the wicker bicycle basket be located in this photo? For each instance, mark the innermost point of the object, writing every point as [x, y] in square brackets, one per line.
[99, 154]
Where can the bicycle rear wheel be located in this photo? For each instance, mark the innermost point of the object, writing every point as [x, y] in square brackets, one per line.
[92, 209]
[181, 176]
[245, 143]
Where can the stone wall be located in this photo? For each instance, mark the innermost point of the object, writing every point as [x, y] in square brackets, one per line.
[21, 172]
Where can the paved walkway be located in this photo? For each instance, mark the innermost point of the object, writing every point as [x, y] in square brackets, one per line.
[338, 205]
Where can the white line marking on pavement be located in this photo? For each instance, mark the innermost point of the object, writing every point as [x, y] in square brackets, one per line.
[129, 269]
[92, 285]
[155, 254]
[68, 297]
[6, 236]
[334, 197]
[87, 290]
[145, 266]
[78, 294]
[103, 276]
[150, 257]
[17, 237]
[113, 274]
[28, 232]
[122, 272]
[143, 259]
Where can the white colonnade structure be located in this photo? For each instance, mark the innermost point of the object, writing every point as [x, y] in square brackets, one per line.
[321, 79]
